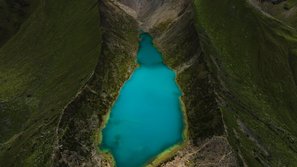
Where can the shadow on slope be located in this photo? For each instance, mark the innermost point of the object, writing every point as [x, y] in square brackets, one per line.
[41, 69]
[253, 57]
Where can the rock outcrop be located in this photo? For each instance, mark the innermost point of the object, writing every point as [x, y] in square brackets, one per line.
[79, 126]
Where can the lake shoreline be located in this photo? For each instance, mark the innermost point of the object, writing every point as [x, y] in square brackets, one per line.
[168, 152]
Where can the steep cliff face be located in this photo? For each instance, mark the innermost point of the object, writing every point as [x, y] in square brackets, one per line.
[143, 7]
[153, 12]
[180, 45]
[80, 126]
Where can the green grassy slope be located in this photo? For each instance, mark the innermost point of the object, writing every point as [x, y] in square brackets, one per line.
[12, 14]
[42, 68]
[285, 11]
[254, 59]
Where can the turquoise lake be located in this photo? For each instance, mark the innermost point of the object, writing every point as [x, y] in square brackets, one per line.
[146, 118]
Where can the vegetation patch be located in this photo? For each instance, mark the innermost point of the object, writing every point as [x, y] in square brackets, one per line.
[249, 60]
[42, 68]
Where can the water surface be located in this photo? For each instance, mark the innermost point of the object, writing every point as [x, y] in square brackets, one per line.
[146, 119]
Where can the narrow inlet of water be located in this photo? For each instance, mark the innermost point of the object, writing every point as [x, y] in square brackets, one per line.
[147, 117]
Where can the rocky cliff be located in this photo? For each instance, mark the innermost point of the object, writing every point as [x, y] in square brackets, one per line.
[79, 128]
[179, 42]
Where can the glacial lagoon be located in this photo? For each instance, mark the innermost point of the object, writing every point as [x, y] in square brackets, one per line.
[147, 118]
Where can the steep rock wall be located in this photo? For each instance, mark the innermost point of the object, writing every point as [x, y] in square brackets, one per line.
[79, 127]
[180, 45]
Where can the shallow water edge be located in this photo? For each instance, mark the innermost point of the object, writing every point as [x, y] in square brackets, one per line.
[162, 156]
